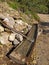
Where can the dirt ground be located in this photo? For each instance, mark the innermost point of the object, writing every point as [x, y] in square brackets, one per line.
[42, 49]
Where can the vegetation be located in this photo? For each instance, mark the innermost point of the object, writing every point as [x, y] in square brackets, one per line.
[41, 6]
[30, 6]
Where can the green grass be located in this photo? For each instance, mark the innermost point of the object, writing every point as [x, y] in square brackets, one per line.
[36, 17]
[14, 5]
[33, 15]
[17, 6]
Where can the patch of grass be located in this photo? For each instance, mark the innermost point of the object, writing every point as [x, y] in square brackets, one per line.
[33, 15]
[14, 5]
[36, 17]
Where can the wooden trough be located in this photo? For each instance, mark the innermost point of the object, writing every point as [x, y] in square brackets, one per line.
[21, 52]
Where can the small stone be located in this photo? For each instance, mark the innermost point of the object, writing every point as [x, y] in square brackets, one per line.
[29, 27]
[16, 42]
[34, 62]
[39, 31]
[23, 60]
[12, 37]
[1, 29]
[19, 37]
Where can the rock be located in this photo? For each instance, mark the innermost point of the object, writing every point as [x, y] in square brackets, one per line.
[16, 42]
[2, 16]
[22, 26]
[29, 27]
[4, 38]
[39, 31]
[12, 37]
[26, 24]
[19, 25]
[25, 30]
[34, 62]
[9, 21]
[15, 14]
[19, 22]
[19, 37]
[1, 28]
[23, 60]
